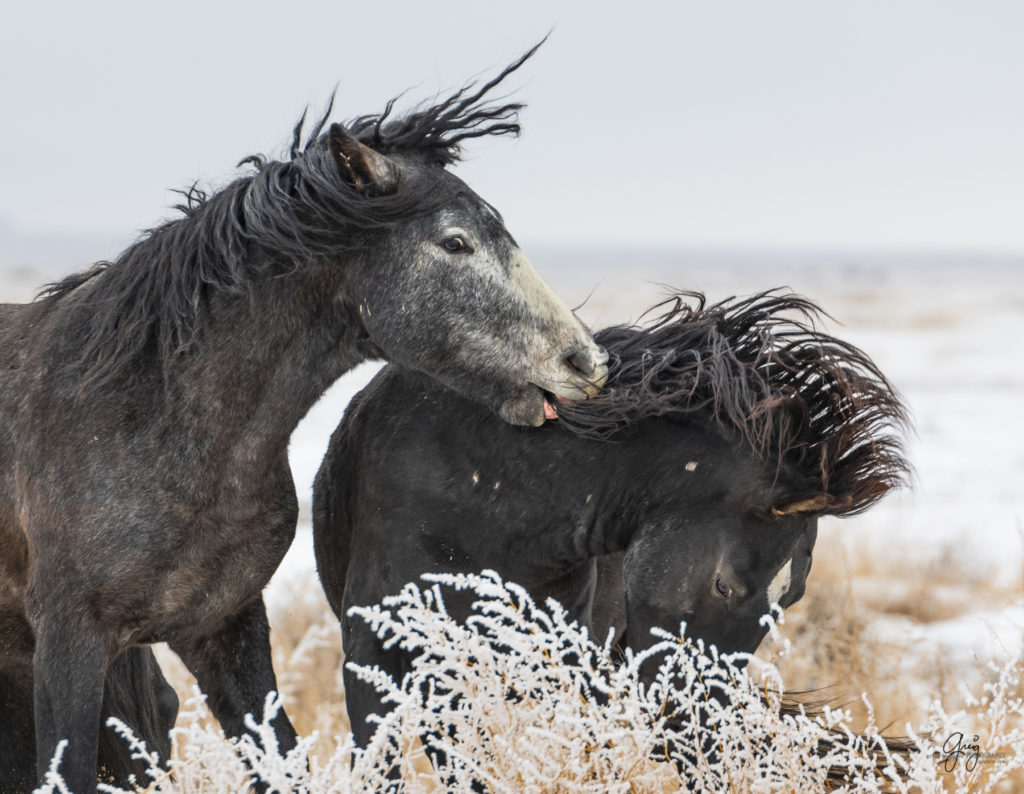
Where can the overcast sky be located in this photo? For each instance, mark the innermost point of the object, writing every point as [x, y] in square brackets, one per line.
[741, 124]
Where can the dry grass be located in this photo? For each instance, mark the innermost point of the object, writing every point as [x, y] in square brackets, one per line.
[834, 650]
[851, 592]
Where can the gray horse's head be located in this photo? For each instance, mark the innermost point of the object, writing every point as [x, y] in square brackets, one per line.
[446, 290]
[399, 257]
[455, 297]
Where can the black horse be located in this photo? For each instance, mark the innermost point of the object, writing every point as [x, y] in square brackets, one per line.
[688, 490]
[146, 404]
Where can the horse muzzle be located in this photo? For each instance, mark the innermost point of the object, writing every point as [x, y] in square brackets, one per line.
[580, 375]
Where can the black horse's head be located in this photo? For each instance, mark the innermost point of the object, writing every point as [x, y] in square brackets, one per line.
[758, 424]
[713, 545]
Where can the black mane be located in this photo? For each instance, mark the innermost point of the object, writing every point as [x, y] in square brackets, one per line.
[285, 214]
[435, 132]
[759, 366]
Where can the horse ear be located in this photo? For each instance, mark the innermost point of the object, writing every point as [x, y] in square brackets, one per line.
[815, 504]
[820, 504]
[369, 172]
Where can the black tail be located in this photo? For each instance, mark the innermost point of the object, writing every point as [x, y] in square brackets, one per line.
[17, 728]
[797, 703]
[136, 693]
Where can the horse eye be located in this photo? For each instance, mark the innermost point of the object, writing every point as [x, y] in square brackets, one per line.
[455, 245]
[724, 590]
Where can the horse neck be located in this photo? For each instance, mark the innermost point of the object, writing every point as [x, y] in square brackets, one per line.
[584, 503]
[626, 482]
[606, 520]
[263, 361]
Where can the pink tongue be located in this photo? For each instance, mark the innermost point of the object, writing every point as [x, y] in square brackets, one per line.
[549, 411]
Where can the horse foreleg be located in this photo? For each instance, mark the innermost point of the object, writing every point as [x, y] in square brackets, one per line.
[70, 663]
[363, 647]
[233, 667]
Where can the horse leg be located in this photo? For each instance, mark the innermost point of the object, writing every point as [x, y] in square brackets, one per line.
[17, 739]
[166, 708]
[363, 647]
[17, 726]
[70, 663]
[233, 667]
[361, 699]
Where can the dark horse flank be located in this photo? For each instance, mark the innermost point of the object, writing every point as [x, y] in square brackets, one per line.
[146, 405]
[688, 490]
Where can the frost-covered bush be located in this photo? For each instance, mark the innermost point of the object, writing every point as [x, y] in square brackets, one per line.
[522, 701]
[527, 702]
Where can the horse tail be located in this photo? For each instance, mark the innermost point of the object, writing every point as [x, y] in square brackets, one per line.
[135, 692]
[806, 704]
[17, 727]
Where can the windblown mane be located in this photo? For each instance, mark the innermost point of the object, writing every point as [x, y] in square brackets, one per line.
[285, 214]
[435, 132]
[758, 365]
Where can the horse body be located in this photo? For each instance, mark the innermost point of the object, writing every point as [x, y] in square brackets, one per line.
[420, 480]
[688, 491]
[146, 493]
[195, 548]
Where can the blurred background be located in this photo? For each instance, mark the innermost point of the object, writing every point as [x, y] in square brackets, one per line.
[868, 155]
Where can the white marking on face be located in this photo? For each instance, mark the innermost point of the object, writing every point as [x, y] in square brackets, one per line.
[535, 292]
[550, 310]
[691, 466]
[476, 477]
[780, 584]
[497, 485]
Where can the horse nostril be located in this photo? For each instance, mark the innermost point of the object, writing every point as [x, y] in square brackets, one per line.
[590, 365]
[581, 363]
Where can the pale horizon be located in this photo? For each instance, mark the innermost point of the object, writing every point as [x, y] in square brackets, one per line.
[791, 125]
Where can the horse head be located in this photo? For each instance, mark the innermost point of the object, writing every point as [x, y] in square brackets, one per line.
[454, 296]
[758, 424]
[714, 547]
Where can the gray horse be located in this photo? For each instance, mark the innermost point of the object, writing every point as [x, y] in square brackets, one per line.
[146, 405]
